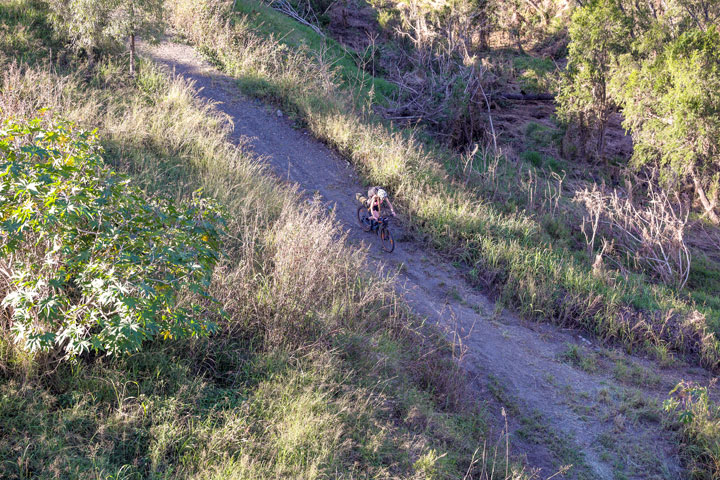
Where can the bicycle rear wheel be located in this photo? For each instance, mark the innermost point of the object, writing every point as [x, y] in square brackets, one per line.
[388, 243]
[362, 216]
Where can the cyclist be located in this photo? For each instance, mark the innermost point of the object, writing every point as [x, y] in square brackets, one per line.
[376, 197]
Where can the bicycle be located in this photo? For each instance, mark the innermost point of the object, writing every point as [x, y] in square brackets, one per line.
[380, 227]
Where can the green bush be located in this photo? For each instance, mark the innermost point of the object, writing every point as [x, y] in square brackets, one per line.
[533, 157]
[88, 261]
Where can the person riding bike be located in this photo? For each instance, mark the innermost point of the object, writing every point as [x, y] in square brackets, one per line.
[376, 197]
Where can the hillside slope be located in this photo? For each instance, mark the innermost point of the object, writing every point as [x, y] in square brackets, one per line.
[563, 412]
[314, 372]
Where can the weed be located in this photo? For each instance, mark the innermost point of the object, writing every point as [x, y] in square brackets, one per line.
[533, 157]
[697, 417]
[578, 357]
[455, 295]
[633, 374]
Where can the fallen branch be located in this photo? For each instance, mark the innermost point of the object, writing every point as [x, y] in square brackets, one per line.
[528, 97]
[284, 6]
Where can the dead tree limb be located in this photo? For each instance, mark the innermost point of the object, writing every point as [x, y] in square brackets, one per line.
[284, 6]
[528, 97]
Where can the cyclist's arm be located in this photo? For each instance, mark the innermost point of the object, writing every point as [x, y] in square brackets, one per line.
[391, 206]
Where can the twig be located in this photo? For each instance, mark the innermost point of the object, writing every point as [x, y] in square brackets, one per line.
[492, 128]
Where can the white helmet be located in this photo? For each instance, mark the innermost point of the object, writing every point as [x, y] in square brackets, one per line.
[382, 193]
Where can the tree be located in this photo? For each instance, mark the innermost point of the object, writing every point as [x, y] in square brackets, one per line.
[97, 25]
[671, 103]
[137, 17]
[85, 23]
[599, 32]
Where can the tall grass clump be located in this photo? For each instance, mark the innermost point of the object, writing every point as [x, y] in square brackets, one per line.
[314, 369]
[504, 248]
[699, 421]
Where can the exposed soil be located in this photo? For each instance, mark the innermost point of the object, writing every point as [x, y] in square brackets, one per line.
[598, 416]
[353, 24]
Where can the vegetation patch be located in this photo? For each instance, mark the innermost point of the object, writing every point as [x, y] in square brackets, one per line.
[699, 420]
[90, 261]
[535, 73]
[580, 358]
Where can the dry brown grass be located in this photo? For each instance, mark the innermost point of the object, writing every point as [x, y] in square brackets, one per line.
[649, 236]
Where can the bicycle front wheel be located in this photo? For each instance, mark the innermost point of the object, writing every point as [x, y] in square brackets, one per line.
[362, 216]
[388, 243]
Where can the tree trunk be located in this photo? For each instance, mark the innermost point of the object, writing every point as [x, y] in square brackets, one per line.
[707, 205]
[601, 136]
[132, 55]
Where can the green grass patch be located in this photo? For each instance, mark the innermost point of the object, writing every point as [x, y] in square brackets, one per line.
[25, 33]
[540, 161]
[535, 74]
[541, 136]
[269, 22]
[580, 358]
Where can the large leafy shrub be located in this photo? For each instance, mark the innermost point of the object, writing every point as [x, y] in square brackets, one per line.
[88, 261]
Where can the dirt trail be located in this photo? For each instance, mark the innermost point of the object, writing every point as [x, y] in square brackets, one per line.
[559, 413]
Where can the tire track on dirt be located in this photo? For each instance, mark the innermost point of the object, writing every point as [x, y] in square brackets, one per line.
[558, 413]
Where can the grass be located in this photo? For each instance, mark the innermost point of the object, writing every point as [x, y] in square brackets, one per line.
[25, 31]
[633, 374]
[698, 419]
[317, 368]
[541, 136]
[627, 445]
[504, 245]
[264, 20]
[580, 358]
[539, 161]
[535, 74]
[533, 428]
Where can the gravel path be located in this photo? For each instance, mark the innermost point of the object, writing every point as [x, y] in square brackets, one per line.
[559, 413]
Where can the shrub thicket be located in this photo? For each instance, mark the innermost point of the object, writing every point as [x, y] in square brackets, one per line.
[661, 65]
